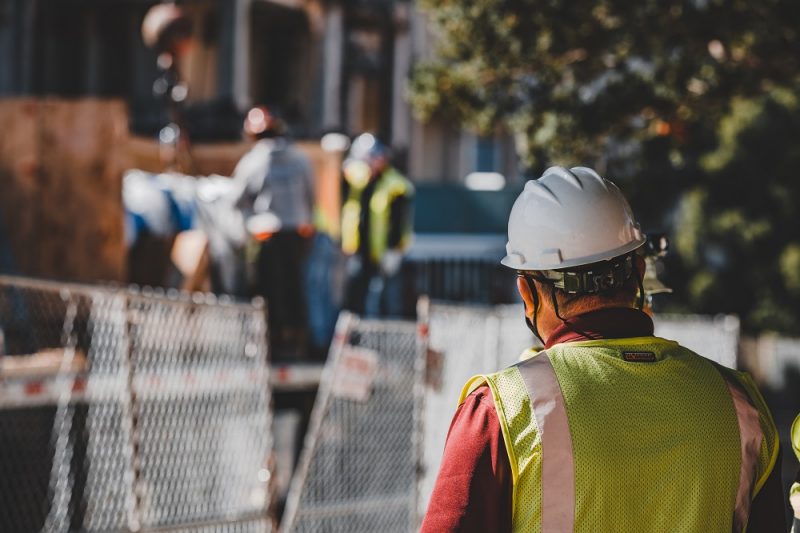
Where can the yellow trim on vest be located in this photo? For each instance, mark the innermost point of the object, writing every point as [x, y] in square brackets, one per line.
[526, 471]
[469, 388]
[763, 409]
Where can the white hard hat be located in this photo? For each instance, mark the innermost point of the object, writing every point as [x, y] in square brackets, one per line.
[569, 218]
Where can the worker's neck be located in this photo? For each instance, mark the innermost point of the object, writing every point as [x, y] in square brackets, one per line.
[595, 323]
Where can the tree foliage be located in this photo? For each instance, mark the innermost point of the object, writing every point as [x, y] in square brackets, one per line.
[571, 79]
[690, 104]
[737, 230]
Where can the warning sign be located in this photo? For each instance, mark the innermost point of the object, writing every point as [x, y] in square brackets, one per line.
[355, 373]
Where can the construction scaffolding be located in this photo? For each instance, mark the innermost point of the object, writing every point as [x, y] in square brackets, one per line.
[127, 410]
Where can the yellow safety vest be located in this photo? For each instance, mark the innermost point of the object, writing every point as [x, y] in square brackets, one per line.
[391, 185]
[631, 435]
[794, 494]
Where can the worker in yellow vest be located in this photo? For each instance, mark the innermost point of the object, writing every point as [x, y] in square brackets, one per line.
[794, 495]
[376, 225]
[608, 428]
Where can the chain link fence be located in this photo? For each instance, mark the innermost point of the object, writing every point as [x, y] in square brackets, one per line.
[132, 411]
[357, 470]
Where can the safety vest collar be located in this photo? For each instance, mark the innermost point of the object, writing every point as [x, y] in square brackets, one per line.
[625, 349]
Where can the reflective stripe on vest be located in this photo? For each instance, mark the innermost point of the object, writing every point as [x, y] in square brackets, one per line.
[558, 464]
[750, 435]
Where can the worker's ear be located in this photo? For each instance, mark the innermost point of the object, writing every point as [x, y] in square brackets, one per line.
[525, 291]
[641, 266]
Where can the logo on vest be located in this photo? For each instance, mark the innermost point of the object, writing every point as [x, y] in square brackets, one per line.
[639, 357]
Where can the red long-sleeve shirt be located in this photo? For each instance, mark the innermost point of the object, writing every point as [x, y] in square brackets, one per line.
[473, 490]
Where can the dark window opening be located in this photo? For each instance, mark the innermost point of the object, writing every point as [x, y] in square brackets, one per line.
[279, 62]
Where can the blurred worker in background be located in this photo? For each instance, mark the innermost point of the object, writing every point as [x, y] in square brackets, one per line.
[274, 190]
[376, 226]
[608, 428]
[167, 29]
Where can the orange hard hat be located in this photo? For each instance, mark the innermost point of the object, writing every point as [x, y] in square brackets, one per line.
[164, 23]
[261, 120]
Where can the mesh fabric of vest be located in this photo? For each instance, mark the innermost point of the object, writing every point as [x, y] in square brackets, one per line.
[656, 445]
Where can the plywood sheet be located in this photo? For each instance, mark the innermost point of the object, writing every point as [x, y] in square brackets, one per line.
[19, 185]
[61, 164]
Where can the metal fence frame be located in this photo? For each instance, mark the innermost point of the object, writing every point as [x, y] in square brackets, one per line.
[137, 370]
[394, 510]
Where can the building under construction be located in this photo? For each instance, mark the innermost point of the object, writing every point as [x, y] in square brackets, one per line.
[328, 65]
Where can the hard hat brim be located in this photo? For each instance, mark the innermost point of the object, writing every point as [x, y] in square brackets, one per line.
[512, 260]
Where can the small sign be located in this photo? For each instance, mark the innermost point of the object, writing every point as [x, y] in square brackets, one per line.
[355, 373]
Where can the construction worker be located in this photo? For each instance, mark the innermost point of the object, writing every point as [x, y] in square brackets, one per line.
[608, 428]
[376, 226]
[794, 495]
[274, 189]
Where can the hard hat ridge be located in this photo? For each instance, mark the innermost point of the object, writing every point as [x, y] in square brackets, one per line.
[567, 175]
[569, 218]
[541, 190]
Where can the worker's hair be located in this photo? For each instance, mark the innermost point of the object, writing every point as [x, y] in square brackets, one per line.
[626, 295]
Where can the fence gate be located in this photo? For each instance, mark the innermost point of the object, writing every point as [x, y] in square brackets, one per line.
[132, 411]
[357, 470]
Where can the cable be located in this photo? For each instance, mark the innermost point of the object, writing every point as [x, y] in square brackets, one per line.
[532, 323]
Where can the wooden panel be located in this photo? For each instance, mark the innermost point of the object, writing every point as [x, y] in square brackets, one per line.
[19, 185]
[81, 214]
[61, 165]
